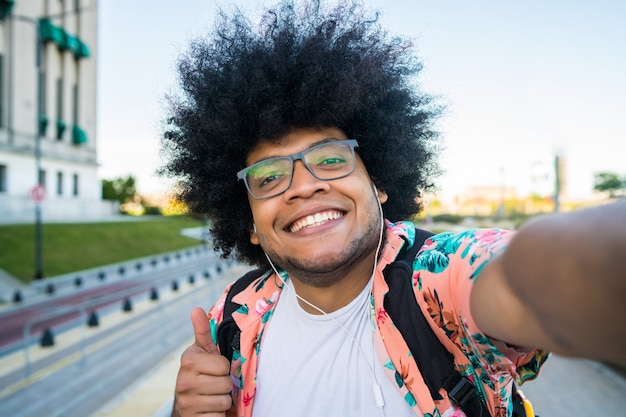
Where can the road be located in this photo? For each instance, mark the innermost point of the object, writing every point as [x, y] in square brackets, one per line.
[78, 376]
[13, 321]
[576, 388]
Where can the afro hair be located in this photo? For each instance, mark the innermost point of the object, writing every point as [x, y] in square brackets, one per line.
[303, 66]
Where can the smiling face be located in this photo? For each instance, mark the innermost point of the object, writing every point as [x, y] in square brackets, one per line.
[320, 231]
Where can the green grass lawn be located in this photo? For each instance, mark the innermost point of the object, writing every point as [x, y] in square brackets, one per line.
[73, 247]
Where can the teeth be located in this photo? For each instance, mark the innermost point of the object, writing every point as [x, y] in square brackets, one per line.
[315, 220]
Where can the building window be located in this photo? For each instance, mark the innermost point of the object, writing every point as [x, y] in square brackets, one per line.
[75, 184]
[43, 117]
[1, 90]
[42, 177]
[3, 178]
[75, 103]
[61, 125]
[59, 183]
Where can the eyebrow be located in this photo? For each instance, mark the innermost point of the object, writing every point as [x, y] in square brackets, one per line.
[314, 144]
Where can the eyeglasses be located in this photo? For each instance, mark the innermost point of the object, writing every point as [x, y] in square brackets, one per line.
[326, 161]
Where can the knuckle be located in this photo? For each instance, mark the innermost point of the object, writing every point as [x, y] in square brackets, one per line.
[223, 366]
[183, 403]
[224, 384]
[187, 360]
[183, 385]
[223, 401]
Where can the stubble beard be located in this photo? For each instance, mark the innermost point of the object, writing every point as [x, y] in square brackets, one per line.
[322, 273]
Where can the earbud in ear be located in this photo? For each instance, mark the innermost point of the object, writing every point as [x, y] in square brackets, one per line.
[254, 227]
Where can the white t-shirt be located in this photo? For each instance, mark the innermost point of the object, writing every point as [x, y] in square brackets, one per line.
[310, 366]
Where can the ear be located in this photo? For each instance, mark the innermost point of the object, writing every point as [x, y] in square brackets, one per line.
[254, 238]
[382, 196]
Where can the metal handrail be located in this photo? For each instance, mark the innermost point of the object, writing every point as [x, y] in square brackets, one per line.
[83, 307]
[119, 269]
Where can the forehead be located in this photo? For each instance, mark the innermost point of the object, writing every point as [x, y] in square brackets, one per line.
[295, 141]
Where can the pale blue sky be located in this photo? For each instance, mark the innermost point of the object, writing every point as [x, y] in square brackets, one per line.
[522, 81]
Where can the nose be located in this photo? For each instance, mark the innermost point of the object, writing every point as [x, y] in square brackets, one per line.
[303, 183]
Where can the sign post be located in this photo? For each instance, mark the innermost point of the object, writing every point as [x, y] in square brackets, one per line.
[38, 194]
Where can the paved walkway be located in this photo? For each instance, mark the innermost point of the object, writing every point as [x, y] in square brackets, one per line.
[570, 387]
[151, 395]
[566, 388]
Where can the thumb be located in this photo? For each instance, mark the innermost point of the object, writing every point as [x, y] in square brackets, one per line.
[202, 331]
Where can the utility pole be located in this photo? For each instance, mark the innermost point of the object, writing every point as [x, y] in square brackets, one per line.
[40, 109]
[500, 213]
[558, 178]
[38, 138]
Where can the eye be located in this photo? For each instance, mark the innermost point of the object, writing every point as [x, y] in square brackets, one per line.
[331, 160]
[268, 179]
[268, 173]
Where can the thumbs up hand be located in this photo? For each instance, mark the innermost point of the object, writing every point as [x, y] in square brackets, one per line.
[203, 384]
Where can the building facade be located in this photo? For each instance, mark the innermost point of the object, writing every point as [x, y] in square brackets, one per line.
[48, 52]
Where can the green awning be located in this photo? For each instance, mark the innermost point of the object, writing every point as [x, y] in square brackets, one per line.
[6, 6]
[51, 33]
[71, 42]
[64, 40]
[83, 50]
[43, 124]
[79, 136]
[61, 126]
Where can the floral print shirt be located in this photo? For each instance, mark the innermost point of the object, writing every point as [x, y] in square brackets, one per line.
[443, 274]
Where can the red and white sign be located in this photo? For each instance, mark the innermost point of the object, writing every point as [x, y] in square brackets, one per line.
[37, 193]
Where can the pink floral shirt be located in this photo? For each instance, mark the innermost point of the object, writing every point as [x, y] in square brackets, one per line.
[443, 275]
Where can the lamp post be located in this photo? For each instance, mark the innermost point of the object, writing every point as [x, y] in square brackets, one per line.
[558, 182]
[38, 138]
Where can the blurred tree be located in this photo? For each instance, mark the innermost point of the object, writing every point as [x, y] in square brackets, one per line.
[610, 182]
[119, 189]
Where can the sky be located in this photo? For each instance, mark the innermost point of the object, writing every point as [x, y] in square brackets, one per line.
[522, 82]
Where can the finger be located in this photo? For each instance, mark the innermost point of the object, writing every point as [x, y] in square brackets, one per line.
[195, 362]
[202, 331]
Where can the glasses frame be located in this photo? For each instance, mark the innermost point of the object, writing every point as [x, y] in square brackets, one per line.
[299, 156]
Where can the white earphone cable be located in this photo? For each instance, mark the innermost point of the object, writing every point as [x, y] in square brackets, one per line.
[378, 395]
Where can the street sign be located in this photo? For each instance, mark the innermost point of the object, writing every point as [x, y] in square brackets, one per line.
[37, 193]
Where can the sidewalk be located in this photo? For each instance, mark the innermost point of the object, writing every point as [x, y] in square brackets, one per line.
[566, 388]
[151, 395]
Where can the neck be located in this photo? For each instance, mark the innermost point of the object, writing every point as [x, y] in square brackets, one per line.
[344, 289]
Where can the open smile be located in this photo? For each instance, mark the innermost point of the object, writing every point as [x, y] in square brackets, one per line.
[314, 220]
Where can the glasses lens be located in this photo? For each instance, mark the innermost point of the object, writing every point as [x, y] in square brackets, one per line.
[327, 161]
[330, 160]
[269, 177]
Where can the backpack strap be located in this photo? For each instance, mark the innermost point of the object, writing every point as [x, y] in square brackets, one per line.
[227, 331]
[436, 364]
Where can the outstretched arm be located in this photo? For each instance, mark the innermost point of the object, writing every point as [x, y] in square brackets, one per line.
[560, 285]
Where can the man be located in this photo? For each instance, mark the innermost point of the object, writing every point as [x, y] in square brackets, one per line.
[306, 144]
